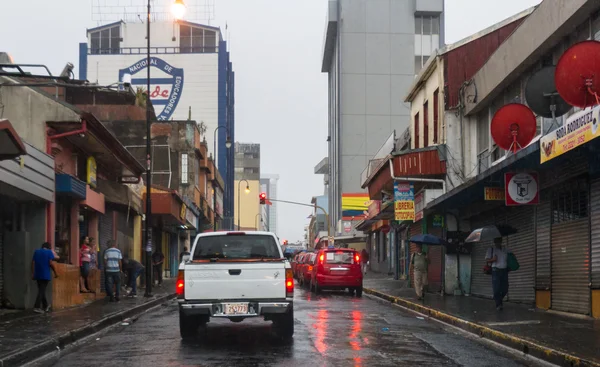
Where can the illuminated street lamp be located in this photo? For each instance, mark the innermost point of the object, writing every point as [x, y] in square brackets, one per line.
[178, 9]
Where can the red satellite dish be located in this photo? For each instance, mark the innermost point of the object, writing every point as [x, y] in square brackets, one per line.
[513, 127]
[577, 75]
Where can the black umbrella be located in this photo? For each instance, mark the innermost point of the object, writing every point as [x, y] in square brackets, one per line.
[427, 239]
[491, 232]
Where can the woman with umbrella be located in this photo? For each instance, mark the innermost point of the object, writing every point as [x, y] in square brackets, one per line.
[419, 261]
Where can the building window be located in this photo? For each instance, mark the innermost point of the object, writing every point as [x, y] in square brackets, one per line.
[427, 38]
[106, 41]
[570, 201]
[184, 168]
[197, 40]
[436, 109]
[426, 124]
[416, 123]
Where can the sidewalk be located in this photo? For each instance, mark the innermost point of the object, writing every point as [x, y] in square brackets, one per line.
[553, 337]
[32, 335]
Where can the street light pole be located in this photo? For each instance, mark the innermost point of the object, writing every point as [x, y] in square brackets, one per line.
[256, 220]
[240, 198]
[227, 145]
[148, 292]
[309, 205]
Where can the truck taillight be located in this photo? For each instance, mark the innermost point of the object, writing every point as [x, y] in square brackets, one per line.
[180, 285]
[289, 283]
[321, 258]
[357, 257]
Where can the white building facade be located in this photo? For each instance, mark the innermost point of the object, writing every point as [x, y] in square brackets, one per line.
[191, 76]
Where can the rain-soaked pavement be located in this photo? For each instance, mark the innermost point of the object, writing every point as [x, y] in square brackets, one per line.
[333, 329]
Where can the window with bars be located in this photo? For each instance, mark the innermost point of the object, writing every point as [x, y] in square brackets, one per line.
[184, 168]
[197, 40]
[570, 201]
[106, 41]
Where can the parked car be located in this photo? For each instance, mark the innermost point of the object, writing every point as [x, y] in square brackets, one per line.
[294, 262]
[235, 275]
[337, 269]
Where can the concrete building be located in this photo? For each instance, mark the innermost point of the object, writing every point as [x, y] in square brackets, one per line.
[372, 52]
[191, 75]
[269, 186]
[247, 185]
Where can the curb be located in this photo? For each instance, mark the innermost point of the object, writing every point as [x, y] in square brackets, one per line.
[522, 345]
[50, 345]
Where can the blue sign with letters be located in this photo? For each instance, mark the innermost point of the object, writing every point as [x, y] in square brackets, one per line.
[165, 88]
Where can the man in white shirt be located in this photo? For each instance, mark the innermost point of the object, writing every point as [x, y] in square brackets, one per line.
[496, 257]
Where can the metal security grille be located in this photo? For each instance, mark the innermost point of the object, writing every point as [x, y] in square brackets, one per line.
[595, 232]
[522, 244]
[1, 267]
[543, 247]
[570, 247]
[481, 284]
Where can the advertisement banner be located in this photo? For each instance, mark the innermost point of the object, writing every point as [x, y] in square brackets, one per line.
[494, 193]
[404, 201]
[577, 130]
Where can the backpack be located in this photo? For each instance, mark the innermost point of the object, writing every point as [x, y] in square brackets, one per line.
[511, 262]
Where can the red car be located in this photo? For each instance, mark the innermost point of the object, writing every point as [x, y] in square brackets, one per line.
[305, 271]
[337, 269]
[297, 268]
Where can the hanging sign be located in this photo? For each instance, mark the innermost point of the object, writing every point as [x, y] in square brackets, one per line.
[91, 172]
[182, 213]
[521, 188]
[438, 221]
[575, 131]
[419, 205]
[404, 201]
[494, 194]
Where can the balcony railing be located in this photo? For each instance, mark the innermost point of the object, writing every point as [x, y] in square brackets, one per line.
[153, 50]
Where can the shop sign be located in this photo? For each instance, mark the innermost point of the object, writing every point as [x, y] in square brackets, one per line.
[404, 201]
[182, 213]
[494, 194]
[438, 221]
[190, 217]
[374, 208]
[521, 188]
[347, 226]
[419, 205]
[575, 131]
[91, 172]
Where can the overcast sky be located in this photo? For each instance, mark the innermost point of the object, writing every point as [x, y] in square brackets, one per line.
[281, 95]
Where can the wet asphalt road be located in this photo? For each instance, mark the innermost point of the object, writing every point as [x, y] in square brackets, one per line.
[332, 329]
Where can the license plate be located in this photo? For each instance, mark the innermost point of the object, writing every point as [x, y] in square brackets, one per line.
[236, 308]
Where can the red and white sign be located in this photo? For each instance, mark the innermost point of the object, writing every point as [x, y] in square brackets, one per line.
[522, 188]
[419, 206]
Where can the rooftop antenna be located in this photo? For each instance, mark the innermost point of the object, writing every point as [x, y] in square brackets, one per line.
[513, 127]
[578, 74]
[542, 97]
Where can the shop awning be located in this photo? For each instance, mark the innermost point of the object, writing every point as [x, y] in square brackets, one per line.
[167, 207]
[67, 185]
[120, 194]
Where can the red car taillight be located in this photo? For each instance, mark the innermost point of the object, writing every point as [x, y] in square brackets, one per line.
[180, 285]
[357, 257]
[289, 283]
[321, 258]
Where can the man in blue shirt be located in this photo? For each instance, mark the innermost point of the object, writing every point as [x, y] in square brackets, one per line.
[41, 266]
[113, 267]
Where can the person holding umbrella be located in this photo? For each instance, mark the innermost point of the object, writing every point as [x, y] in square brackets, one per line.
[419, 262]
[496, 257]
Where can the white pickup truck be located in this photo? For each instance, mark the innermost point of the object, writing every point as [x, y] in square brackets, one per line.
[235, 275]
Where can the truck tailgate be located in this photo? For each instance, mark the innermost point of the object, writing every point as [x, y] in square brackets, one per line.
[222, 281]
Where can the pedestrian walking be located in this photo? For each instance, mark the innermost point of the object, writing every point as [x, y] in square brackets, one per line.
[157, 263]
[419, 262]
[41, 267]
[85, 256]
[185, 252]
[133, 269]
[496, 257]
[364, 257]
[113, 266]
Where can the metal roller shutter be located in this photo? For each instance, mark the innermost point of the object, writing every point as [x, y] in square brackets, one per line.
[481, 284]
[543, 248]
[595, 238]
[570, 266]
[1, 267]
[522, 244]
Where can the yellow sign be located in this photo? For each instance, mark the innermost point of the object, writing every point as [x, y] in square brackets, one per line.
[182, 213]
[575, 131]
[405, 210]
[494, 194]
[91, 172]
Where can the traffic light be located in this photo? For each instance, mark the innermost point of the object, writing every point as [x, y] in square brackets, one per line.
[263, 198]
[285, 242]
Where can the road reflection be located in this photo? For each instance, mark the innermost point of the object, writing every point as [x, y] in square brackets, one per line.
[355, 341]
[321, 330]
